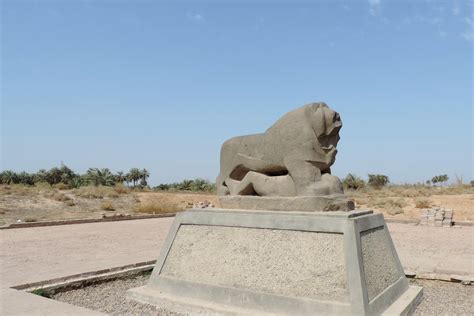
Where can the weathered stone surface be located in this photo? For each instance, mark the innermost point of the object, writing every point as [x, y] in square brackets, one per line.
[380, 266]
[292, 158]
[233, 256]
[299, 203]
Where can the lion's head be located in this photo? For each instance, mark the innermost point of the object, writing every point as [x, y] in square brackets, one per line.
[326, 125]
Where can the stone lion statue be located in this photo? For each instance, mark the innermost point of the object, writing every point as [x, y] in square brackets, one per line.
[292, 158]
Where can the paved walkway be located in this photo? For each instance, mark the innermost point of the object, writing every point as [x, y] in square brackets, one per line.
[42, 253]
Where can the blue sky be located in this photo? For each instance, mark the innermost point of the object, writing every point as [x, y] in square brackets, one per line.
[162, 85]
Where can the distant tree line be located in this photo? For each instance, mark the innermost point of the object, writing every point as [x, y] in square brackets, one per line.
[196, 185]
[378, 181]
[67, 177]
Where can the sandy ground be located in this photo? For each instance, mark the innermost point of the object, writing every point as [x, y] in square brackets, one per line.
[461, 204]
[41, 204]
[30, 255]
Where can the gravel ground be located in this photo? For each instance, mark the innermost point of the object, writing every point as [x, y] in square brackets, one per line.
[109, 297]
[439, 298]
[445, 298]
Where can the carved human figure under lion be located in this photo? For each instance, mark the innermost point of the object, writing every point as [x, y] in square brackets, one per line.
[291, 158]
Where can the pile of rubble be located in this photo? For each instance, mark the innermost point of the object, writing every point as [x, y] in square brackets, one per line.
[436, 217]
[203, 204]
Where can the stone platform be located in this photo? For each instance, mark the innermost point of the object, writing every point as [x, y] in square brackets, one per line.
[242, 262]
[335, 202]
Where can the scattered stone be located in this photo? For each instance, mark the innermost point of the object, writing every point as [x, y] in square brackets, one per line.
[203, 204]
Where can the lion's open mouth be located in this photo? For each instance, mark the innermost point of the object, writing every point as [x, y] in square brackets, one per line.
[328, 148]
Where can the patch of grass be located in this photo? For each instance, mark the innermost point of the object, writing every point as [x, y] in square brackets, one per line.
[411, 191]
[387, 203]
[57, 196]
[18, 189]
[92, 192]
[160, 206]
[422, 203]
[61, 186]
[112, 195]
[107, 206]
[121, 189]
[30, 220]
[41, 292]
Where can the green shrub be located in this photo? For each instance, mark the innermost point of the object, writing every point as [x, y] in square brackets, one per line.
[353, 182]
[378, 181]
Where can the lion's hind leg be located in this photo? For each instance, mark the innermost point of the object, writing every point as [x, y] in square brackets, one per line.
[255, 183]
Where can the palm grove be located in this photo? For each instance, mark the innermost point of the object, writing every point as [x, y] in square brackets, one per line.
[66, 178]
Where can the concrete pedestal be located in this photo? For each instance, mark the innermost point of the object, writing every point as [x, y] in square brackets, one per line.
[241, 262]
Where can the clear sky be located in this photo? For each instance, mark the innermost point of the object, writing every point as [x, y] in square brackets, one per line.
[162, 85]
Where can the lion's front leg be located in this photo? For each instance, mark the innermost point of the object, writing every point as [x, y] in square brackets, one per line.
[303, 173]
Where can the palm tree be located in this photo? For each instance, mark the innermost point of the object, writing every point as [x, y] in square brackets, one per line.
[145, 174]
[134, 175]
[92, 176]
[98, 177]
[120, 177]
[107, 177]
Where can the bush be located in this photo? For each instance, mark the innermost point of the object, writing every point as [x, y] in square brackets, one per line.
[121, 189]
[394, 211]
[378, 181]
[422, 203]
[107, 206]
[353, 182]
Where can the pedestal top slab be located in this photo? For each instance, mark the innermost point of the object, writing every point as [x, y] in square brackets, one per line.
[330, 203]
[335, 214]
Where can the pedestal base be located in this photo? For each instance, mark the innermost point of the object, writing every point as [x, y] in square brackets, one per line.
[259, 262]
